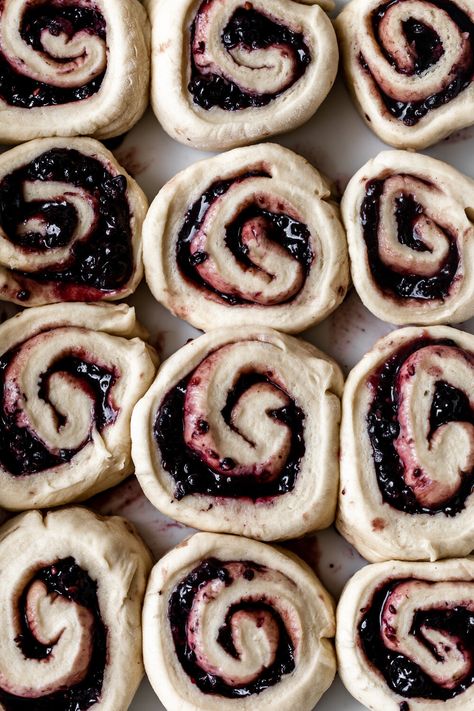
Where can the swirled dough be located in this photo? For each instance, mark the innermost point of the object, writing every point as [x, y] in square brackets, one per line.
[238, 434]
[404, 636]
[70, 223]
[70, 611]
[256, 623]
[72, 68]
[70, 376]
[227, 73]
[407, 447]
[247, 237]
[409, 65]
[411, 239]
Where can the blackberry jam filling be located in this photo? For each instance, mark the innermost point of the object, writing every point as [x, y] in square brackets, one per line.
[289, 233]
[67, 579]
[193, 476]
[402, 284]
[21, 453]
[102, 263]
[402, 674]
[19, 90]
[428, 48]
[449, 405]
[252, 30]
[180, 606]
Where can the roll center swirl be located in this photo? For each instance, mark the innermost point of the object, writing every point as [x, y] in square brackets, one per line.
[51, 52]
[421, 427]
[243, 60]
[420, 636]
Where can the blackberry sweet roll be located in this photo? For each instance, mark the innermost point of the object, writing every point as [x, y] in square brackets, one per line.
[239, 434]
[405, 636]
[248, 237]
[411, 239]
[407, 447]
[409, 65]
[70, 375]
[72, 68]
[70, 609]
[70, 223]
[226, 73]
[233, 623]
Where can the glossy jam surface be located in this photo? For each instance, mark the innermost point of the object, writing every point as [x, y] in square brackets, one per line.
[193, 476]
[292, 235]
[399, 283]
[19, 90]
[21, 452]
[449, 405]
[65, 578]
[103, 263]
[252, 30]
[180, 605]
[428, 49]
[402, 674]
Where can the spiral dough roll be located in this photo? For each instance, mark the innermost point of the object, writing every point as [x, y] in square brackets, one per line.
[70, 376]
[407, 447]
[410, 66]
[247, 237]
[405, 636]
[70, 223]
[226, 73]
[233, 623]
[238, 434]
[72, 68]
[70, 605]
[411, 239]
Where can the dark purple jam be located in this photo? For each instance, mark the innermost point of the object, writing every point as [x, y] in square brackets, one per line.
[449, 405]
[68, 579]
[21, 452]
[428, 48]
[292, 235]
[402, 674]
[103, 263]
[253, 30]
[399, 283]
[19, 90]
[180, 606]
[193, 476]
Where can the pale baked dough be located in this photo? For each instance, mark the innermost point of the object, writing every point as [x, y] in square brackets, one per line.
[109, 551]
[390, 68]
[248, 439]
[71, 62]
[99, 334]
[17, 262]
[283, 583]
[280, 290]
[435, 460]
[446, 198]
[443, 585]
[258, 71]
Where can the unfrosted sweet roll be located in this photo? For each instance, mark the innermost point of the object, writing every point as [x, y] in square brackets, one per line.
[411, 239]
[230, 623]
[69, 378]
[70, 223]
[72, 68]
[238, 434]
[405, 638]
[70, 609]
[407, 447]
[227, 72]
[409, 65]
[247, 237]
